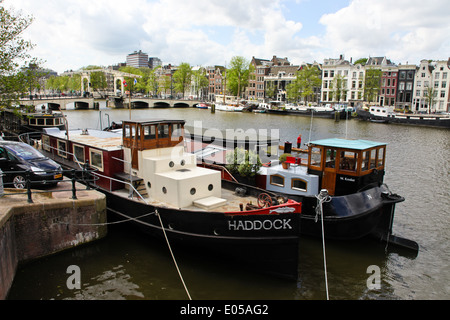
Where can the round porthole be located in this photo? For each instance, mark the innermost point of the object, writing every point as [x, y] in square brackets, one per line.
[183, 162]
[149, 185]
[164, 190]
[171, 164]
[193, 191]
[210, 187]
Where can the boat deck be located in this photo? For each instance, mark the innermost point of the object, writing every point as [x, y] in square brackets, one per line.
[232, 203]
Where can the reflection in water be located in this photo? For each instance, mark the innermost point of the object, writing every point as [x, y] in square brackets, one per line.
[113, 284]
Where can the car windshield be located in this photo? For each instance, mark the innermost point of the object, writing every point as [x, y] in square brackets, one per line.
[26, 152]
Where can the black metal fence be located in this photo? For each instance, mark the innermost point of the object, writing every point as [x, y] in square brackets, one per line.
[31, 186]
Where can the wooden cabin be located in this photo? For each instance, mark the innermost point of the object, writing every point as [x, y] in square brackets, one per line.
[346, 166]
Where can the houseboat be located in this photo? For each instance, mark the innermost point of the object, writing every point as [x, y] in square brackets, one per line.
[147, 176]
[323, 111]
[357, 204]
[25, 120]
[346, 178]
[387, 115]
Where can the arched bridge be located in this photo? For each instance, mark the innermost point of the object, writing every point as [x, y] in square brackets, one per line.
[75, 103]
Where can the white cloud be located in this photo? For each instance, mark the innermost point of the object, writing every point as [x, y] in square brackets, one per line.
[400, 30]
[70, 34]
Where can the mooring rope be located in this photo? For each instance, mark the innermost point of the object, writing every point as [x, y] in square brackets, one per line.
[109, 223]
[321, 198]
[145, 223]
[173, 257]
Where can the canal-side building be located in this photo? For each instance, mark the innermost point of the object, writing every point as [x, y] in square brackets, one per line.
[405, 86]
[432, 79]
[255, 91]
[215, 75]
[337, 77]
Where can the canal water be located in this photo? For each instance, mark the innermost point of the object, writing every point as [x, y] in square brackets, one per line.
[129, 265]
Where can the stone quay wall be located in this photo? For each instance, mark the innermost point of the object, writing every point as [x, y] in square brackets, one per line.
[52, 223]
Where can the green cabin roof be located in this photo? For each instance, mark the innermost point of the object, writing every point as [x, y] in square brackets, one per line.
[347, 143]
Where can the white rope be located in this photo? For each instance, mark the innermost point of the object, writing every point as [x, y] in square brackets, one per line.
[108, 223]
[173, 257]
[321, 198]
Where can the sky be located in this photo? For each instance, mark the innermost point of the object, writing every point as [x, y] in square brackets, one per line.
[71, 34]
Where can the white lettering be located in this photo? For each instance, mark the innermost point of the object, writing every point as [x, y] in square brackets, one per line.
[250, 225]
[74, 281]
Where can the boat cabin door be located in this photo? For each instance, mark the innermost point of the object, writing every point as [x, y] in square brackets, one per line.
[131, 134]
[329, 171]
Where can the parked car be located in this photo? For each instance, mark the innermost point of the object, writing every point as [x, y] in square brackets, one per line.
[18, 158]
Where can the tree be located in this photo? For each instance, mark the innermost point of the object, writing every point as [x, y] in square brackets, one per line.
[200, 81]
[372, 85]
[182, 77]
[430, 98]
[339, 86]
[308, 78]
[14, 79]
[238, 75]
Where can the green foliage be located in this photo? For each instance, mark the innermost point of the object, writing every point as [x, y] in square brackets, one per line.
[308, 78]
[244, 162]
[238, 75]
[284, 156]
[372, 83]
[15, 79]
[182, 77]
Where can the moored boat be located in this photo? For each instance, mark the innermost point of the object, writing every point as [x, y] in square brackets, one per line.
[28, 120]
[346, 179]
[387, 115]
[146, 176]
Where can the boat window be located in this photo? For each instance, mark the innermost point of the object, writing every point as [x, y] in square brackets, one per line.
[149, 132]
[299, 184]
[380, 157]
[365, 160]
[163, 131]
[126, 131]
[176, 130]
[96, 157]
[46, 143]
[330, 161]
[49, 122]
[316, 156]
[373, 158]
[33, 121]
[277, 180]
[62, 148]
[348, 161]
[78, 152]
[40, 122]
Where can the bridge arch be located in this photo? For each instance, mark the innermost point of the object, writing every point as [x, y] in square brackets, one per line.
[139, 104]
[181, 105]
[161, 104]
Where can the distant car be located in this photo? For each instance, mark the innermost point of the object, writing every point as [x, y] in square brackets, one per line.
[17, 157]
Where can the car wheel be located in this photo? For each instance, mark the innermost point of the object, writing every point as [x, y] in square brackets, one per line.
[19, 182]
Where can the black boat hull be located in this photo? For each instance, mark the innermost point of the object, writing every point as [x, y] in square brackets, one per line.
[350, 217]
[267, 244]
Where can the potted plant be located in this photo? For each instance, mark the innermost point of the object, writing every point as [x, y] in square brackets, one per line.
[283, 158]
